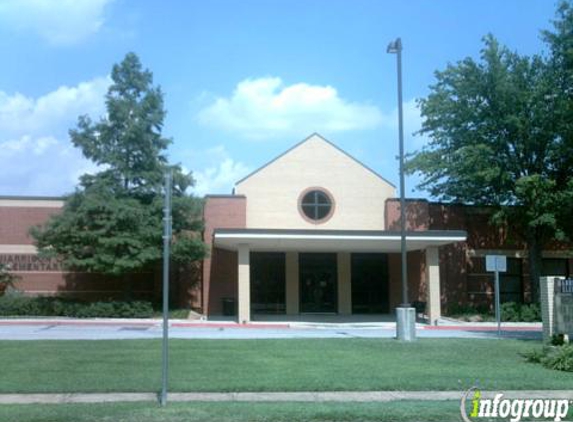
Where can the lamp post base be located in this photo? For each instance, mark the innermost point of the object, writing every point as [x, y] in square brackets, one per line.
[406, 323]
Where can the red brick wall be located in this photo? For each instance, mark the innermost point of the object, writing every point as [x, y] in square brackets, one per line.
[417, 215]
[35, 279]
[86, 286]
[416, 278]
[220, 268]
[15, 223]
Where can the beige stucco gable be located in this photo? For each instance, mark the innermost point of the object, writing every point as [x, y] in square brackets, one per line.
[273, 192]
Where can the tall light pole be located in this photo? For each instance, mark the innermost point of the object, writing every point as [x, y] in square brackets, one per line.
[167, 228]
[405, 314]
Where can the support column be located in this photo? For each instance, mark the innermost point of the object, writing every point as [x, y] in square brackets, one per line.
[547, 299]
[244, 285]
[344, 283]
[433, 306]
[292, 283]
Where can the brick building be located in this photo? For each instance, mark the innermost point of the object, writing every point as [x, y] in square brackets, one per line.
[312, 231]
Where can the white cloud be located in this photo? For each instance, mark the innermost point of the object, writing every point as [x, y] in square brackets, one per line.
[219, 173]
[36, 156]
[19, 113]
[265, 107]
[60, 22]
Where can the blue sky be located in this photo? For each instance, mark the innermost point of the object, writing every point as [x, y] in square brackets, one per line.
[243, 80]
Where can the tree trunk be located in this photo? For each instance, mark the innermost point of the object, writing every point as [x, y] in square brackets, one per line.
[534, 253]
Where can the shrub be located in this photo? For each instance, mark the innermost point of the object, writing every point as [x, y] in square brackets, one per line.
[6, 279]
[15, 304]
[534, 356]
[510, 312]
[559, 358]
[515, 312]
[530, 313]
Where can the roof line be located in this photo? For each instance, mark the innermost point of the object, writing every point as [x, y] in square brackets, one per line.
[409, 233]
[328, 142]
[32, 198]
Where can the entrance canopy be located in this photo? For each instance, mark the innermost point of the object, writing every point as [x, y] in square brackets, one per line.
[282, 240]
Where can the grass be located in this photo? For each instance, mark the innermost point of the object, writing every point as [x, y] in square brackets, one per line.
[222, 412]
[273, 365]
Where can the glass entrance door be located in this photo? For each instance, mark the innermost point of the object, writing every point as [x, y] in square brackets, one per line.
[317, 274]
[370, 283]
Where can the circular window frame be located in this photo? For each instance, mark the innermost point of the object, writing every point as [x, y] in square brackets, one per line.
[330, 198]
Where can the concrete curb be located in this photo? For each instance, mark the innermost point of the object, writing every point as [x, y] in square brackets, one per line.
[295, 396]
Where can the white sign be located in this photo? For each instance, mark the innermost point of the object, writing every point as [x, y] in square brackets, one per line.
[496, 263]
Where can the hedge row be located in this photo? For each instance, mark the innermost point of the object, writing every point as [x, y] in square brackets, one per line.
[515, 312]
[18, 305]
[510, 312]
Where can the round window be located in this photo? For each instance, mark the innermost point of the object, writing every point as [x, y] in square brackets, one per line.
[316, 205]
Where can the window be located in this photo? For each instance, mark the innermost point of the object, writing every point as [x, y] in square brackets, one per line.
[481, 282]
[316, 205]
[554, 266]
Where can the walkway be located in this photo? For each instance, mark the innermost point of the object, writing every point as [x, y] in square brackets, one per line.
[321, 396]
[117, 329]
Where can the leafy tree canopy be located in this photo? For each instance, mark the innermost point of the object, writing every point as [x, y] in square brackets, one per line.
[112, 223]
[500, 135]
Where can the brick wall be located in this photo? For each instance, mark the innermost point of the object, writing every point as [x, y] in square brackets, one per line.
[40, 277]
[220, 268]
[15, 223]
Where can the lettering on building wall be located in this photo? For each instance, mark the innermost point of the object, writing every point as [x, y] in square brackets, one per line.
[29, 262]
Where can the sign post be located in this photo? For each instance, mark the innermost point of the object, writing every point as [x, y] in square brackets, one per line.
[496, 264]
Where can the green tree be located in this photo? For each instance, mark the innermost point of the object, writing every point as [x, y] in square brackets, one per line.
[493, 142]
[112, 223]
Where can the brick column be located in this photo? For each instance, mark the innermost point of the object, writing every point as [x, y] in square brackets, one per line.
[433, 306]
[292, 283]
[343, 280]
[244, 285]
[547, 298]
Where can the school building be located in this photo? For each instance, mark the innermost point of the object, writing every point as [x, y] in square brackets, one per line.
[313, 231]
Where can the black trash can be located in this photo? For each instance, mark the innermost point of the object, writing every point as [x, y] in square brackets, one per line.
[229, 306]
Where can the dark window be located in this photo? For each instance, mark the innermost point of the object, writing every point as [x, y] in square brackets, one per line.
[510, 282]
[369, 283]
[318, 278]
[268, 282]
[316, 205]
[480, 282]
[554, 266]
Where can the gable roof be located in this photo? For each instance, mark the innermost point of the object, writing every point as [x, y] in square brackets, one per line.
[329, 143]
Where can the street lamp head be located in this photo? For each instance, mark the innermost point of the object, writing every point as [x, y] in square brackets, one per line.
[394, 46]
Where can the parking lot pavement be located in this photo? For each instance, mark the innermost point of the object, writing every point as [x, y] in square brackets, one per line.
[148, 329]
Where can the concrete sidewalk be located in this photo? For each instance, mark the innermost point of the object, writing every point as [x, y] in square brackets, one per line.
[304, 396]
[120, 329]
[284, 323]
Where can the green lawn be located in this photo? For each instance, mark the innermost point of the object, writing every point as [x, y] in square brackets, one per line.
[223, 412]
[273, 365]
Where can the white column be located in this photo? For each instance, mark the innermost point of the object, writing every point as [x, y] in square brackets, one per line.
[344, 286]
[547, 296]
[244, 287]
[433, 306]
[292, 283]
